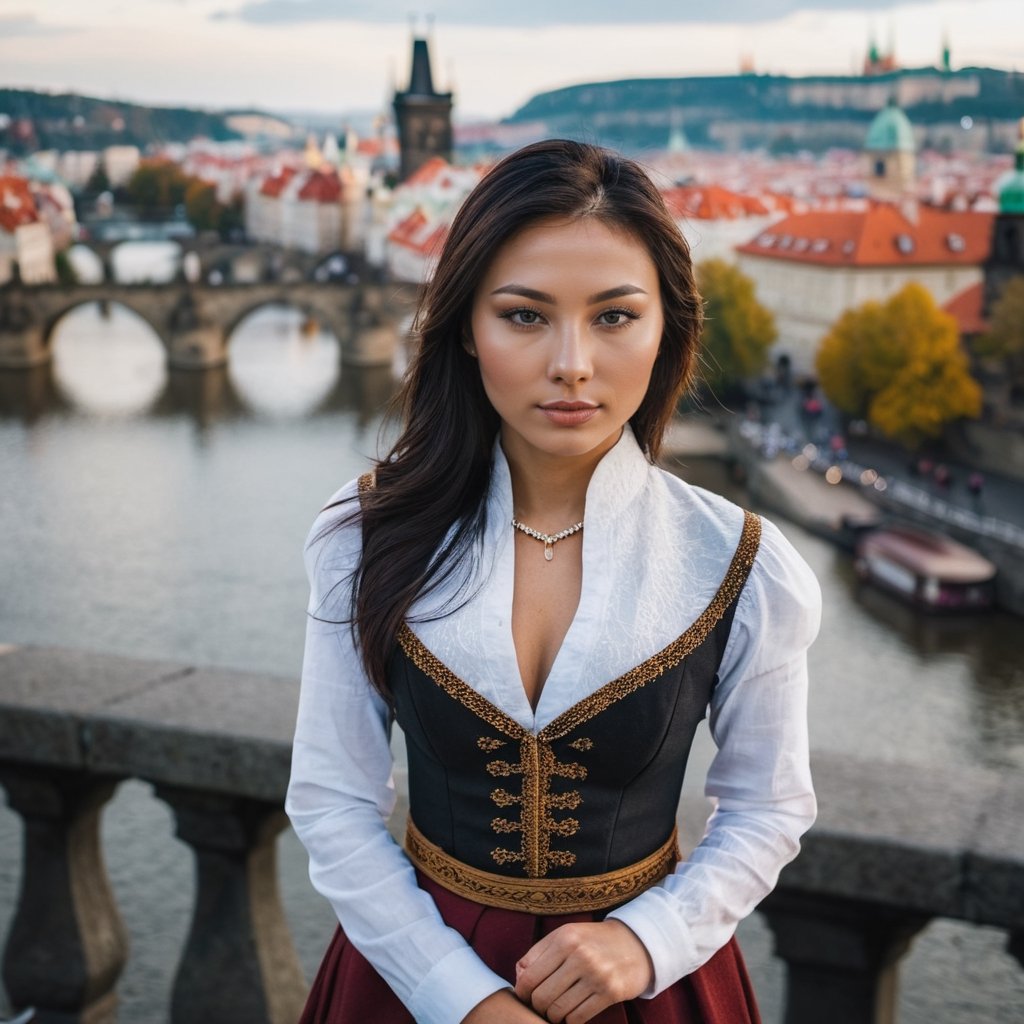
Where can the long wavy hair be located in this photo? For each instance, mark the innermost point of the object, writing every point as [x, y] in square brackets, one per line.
[424, 518]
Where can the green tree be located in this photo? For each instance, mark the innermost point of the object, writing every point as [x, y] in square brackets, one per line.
[738, 330]
[204, 211]
[156, 187]
[900, 366]
[1005, 338]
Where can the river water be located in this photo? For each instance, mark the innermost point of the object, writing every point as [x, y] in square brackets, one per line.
[162, 515]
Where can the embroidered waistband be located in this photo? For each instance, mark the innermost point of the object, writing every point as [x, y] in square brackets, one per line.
[540, 895]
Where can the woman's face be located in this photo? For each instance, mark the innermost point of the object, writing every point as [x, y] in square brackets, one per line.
[566, 325]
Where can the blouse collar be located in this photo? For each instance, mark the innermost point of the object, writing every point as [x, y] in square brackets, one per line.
[617, 480]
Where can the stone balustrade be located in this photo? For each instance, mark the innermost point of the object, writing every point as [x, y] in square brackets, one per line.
[894, 847]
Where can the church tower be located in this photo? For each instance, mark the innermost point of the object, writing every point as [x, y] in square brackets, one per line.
[1006, 259]
[423, 116]
[890, 154]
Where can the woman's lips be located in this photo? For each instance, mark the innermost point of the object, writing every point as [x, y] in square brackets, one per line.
[569, 414]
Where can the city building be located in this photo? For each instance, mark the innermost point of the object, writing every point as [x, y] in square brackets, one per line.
[56, 208]
[714, 220]
[1006, 259]
[809, 268]
[889, 154]
[76, 167]
[26, 245]
[423, 116]
[422, 207]
[878, 63]
[120, 163]
[315, 210]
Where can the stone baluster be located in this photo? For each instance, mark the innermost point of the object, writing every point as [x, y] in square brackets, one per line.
[67, 944]
[842, 956]
[239, 965]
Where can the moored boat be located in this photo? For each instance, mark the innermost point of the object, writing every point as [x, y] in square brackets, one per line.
[928, 569]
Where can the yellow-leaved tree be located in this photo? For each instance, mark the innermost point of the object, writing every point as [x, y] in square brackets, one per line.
[899, 365]
[738, 330]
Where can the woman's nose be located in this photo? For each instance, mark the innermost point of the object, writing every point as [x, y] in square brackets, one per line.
[571, 359]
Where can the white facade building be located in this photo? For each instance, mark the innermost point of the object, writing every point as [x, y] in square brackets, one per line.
[25, 238]
[422, 207]
[810, 268]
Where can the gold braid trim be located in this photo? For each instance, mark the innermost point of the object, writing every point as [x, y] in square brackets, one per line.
[432, 667]
[540, 895]
[667, 658]
[670, 656]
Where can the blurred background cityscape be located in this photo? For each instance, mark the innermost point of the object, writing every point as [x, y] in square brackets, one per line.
[214, 220]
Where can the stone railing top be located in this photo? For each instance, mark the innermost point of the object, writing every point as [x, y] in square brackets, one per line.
[946, 840]
[942, 840]
[201, 728]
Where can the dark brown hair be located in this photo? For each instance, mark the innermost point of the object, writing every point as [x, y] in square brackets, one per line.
[423, 520]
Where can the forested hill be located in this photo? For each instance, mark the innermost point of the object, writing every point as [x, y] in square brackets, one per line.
[39, 120]
[781, 112]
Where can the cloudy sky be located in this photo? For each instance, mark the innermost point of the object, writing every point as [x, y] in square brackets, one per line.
[334, 55]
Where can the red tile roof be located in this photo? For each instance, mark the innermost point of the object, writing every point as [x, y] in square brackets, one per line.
[428, 173]
[966, 307]
[881, 236]
[17, 207]
[276, 183]
[321, 187]
[712, 202]
[415, 233]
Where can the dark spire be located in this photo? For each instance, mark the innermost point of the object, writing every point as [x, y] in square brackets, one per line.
[421, 82]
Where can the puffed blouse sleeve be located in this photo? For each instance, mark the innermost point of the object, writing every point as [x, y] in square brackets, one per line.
[341, 794]
[759, 782]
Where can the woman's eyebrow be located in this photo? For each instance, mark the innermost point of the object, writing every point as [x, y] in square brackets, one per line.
[617, 293]
[538, 296]
[526, 293]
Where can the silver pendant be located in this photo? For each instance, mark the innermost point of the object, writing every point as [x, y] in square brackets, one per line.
[549, 550]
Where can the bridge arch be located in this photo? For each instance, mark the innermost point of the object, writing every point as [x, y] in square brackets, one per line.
[99, 297]
[322, 312]
[112, 364]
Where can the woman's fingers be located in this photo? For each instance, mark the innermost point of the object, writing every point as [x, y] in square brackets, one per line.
[575, 1006]
[580, 969]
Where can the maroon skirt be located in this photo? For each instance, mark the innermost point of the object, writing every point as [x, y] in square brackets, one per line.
[347, 989]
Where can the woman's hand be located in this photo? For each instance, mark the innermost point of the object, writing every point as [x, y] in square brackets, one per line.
[501, 1008]
[578, 970]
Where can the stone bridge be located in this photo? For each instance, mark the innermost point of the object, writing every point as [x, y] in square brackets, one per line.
[894, 847]
[195, 321]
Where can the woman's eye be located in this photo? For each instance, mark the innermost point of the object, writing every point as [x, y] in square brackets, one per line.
[522, 317]
[617, 317]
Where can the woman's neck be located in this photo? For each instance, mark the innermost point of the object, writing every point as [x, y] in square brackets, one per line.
[549, 492]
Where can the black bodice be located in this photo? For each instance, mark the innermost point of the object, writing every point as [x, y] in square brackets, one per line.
[595, 791]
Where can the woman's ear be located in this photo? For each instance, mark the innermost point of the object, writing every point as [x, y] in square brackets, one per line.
[467, 343]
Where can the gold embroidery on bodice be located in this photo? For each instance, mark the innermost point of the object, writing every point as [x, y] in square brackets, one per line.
[538, 765]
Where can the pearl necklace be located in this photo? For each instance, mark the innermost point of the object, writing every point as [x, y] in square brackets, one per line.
[550, 539]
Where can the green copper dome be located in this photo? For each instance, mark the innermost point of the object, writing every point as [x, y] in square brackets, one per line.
[1011, 186]
[890, 131]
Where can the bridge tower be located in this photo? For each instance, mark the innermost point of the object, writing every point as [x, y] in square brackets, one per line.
[423, 115]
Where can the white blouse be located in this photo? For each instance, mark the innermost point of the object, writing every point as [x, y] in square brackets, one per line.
[655, 550]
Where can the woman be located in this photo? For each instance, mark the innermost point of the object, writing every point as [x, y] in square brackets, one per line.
[548, 616]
